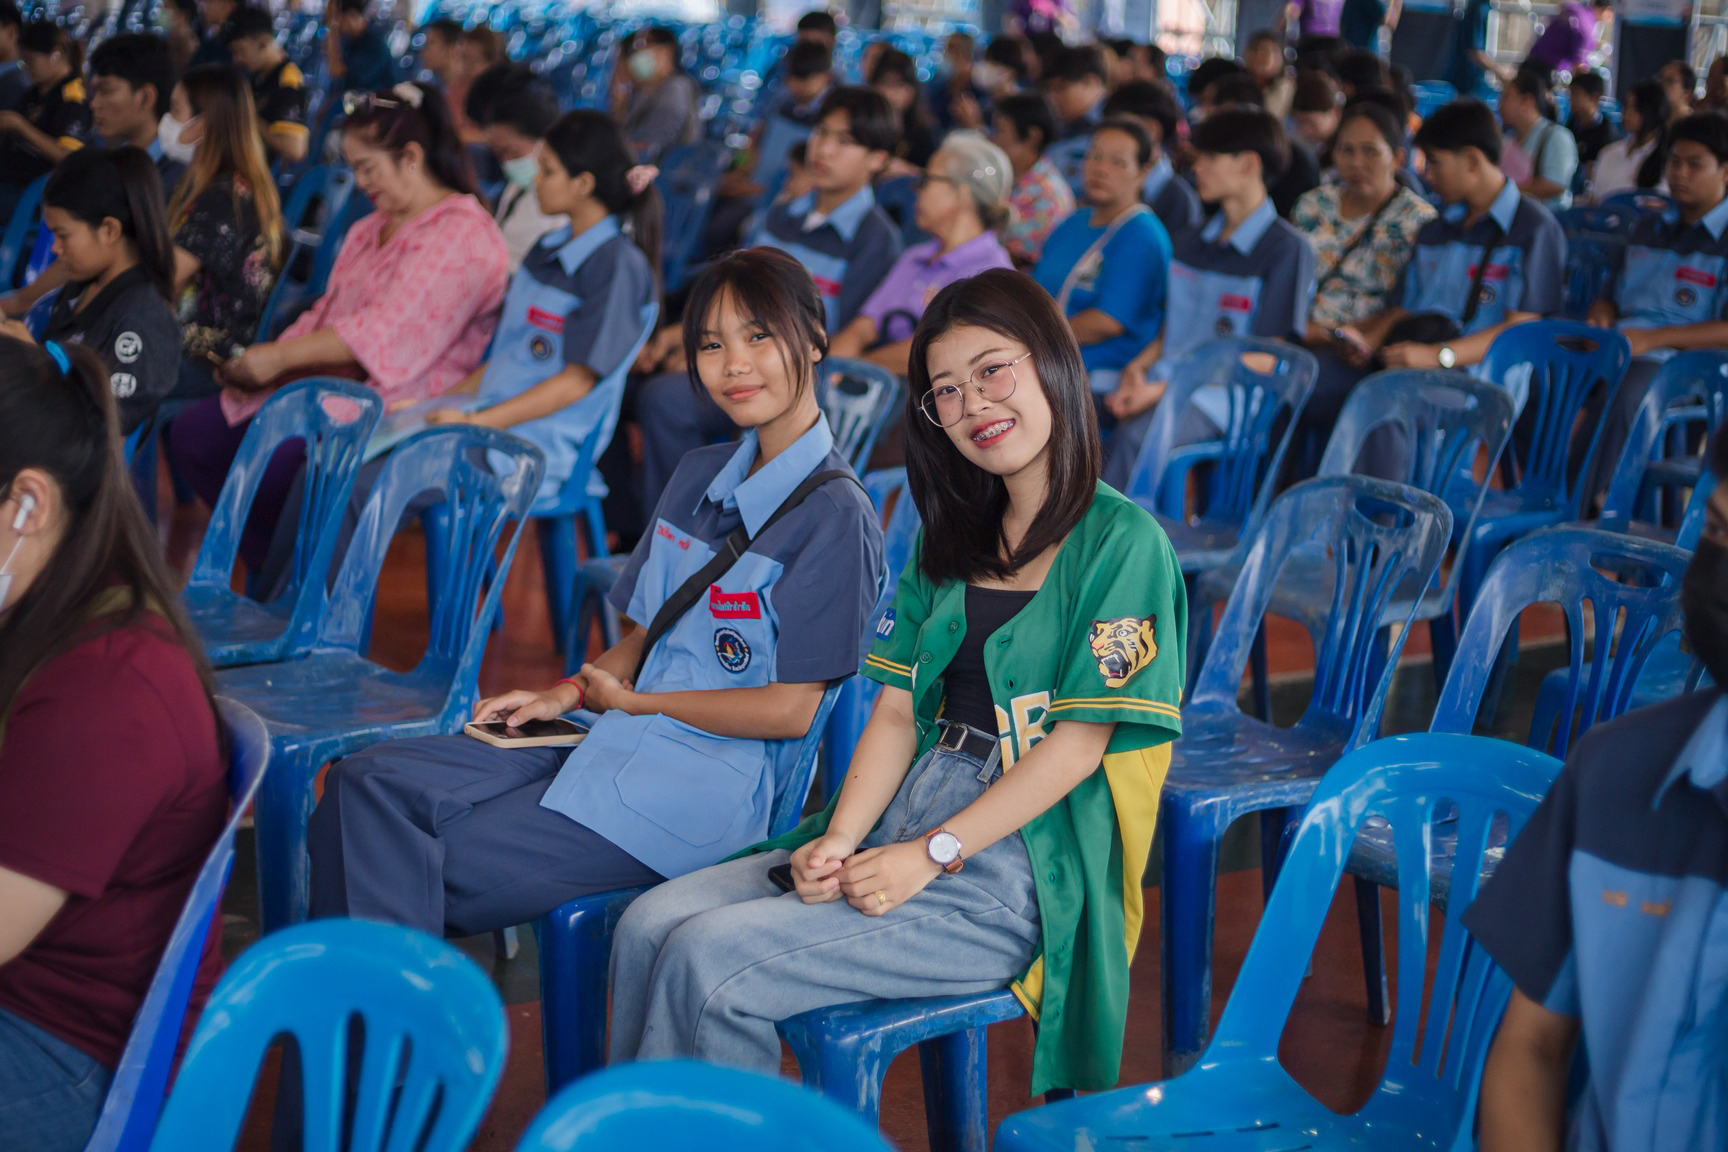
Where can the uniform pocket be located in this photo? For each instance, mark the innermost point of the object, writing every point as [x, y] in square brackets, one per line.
[695, 786]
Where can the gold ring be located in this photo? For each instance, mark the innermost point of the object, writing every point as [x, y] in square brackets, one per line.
[881, 898]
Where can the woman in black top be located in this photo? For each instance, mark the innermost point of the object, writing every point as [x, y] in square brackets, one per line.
[104, 207]
[55, 118]
[227, 224]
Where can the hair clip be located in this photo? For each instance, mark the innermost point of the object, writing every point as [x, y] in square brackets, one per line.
[409, 93]
[640, 177]
[58, 355]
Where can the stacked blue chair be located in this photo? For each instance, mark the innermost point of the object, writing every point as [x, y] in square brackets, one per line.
[19, 238]
[134, 1100]
[1238, 1096]
[334, 418]
[1685, 404]
[1358, 545]
[682, 1104]
[334, 701]
[417, 1073]
[575, 938]
[319, 212]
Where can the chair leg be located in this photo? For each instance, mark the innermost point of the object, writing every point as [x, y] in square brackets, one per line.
[845, 1067]
[1443, 642]
[956, 1076]
[1260, 679]
[1275, 825]
[575, 942]
[507, 942]
[558, 561]
[283, 810]
[1373, 951]
[1189, 904]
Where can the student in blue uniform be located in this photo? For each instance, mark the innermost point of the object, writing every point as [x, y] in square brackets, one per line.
[1171, 198]
[581, 304]
[1106, 264]
[681, 765]
[1246, 273]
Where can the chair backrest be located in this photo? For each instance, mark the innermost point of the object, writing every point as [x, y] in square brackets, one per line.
[1356, 543]
[583, 478]
[687, 178]
[794, 787]
[135, 1094]
[1692, 385]
[1555, 369]
[1263, 385]
[1697, 506]
[1632, 587]
[333, 419]
[1606, 219]
[860, 399]
[683, 1104]
[1590, 261]
[1443, 418]
[1643, 201]
[432, 1047]
[20, 234]
[486, 482]
[1486, 786]
[900, 529]
[319, 210]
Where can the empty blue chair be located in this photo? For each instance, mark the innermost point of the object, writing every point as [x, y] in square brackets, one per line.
[575, 938]
[1644, 201]
[1238, 1096]
[861, 401]
[1686, 401]
[687, 178]
[1556, 370]
[19, 238]
[418, 1072]
[319, 212]
[334, 419]
[334, 701]
[683, 1104]
[134, 1099]
[1610, 218]
[1590, 261]
[1356, 544]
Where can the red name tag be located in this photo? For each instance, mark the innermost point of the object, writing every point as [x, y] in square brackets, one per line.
[734, 605]
[827, 287]
[1235, 304]
[546, 320]
[1694, 276]
[1494, 272]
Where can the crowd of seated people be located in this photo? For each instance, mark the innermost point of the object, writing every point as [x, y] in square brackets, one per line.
[1034, 239]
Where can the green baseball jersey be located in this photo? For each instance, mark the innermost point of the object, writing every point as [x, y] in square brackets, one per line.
[1102, 641]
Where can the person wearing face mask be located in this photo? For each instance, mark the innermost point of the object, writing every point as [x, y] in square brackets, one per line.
[112, 782]
[1608, 914]
[653, 98]
[513, 108]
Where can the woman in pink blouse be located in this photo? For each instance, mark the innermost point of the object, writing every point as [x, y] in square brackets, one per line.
[411, 303]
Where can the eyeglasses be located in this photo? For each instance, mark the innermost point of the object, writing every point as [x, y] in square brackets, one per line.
[945, 404]
[925, 179]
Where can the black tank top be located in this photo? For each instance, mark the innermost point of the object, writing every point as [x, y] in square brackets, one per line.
[965, 686]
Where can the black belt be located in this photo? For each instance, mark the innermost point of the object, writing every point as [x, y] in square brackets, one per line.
[968, 741]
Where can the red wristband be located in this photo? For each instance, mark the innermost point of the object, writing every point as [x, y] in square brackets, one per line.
[581, 692]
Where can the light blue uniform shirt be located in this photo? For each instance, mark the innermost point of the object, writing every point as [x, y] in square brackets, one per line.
[1671, 273]
[846, 253]
[794, 609]
[1526, 262]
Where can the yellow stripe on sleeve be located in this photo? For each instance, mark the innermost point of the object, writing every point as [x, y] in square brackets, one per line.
[70, 143]
[1155, 707]
[289, 128]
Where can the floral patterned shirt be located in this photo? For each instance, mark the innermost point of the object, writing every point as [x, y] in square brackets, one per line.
[221, 308]
[1041, 199]
[1364, 285]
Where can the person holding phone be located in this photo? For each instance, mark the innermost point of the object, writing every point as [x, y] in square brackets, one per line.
[998, 811]
[696, 729]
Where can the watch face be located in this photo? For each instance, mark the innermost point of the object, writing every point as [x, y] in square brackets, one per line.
[1446, 357]
[944, 848]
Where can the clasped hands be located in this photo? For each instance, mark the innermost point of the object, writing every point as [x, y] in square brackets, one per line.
[600, 692]
[874, 881]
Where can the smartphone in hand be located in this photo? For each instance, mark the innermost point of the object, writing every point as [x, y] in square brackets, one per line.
[533, 734]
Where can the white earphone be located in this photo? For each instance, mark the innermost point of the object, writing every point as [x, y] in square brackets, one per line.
[26, 505]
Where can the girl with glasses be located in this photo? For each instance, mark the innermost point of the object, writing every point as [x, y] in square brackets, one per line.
[999, 808]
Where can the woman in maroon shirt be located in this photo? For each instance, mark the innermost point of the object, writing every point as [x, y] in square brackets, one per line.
[112, 787]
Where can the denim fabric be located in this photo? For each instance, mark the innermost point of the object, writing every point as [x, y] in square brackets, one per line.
[50, 1092]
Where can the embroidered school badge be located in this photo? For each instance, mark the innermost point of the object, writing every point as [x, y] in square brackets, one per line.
[730, 649]
[1123, 647]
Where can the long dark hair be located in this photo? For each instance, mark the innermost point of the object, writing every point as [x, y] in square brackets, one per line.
[65, 424]
[389, 122]
[776, 291]
[962, 505]
[47, 37]
[1654, 110]
[590, 142]
[93, 184]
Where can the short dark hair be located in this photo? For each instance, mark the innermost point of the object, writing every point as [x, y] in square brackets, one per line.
[1208, 72]
[1708, 129]
[1238, 128]
[1534, 84]
[1688, 74]
[444, 28]
[1386, 98]
[1391, 129]
[1010, 52]
[1590, 83]
[774, 289]
[1236, 88]
[961, 504]
[355, 7]
[10, 15]
[1029, 112]
[1147, 100]
[249, 21]
[806, 58]
[138, 58]
[1360, 68]
[1132, 129]
[1266, 36]
[869, 116]
[1315, 91]
[819, 20]
[1465, 123]
[1074, 62]
[513, 95]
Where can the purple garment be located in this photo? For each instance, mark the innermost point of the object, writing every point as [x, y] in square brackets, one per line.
[922, 271]
[1318, 17]
[1568, 38]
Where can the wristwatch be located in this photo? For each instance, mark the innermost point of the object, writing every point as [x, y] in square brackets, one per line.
[943, 848]
[1446, 357]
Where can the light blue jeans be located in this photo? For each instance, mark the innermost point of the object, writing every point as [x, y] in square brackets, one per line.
[50, 1092]
[705, 965]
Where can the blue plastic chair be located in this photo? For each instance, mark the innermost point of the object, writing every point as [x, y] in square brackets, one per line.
[1590, 261]
[1642, 200]
[575, 938]
[1687, 400]
[687, 178]
[334, 418]
[898, 198]
[1606, 219]
[683, 1104]
[134, 1099]
[1556, 370]
[20, 234]
[420, 1075]
[334, 701]
[1238, 1096]
[319, 212]
[1376, 538]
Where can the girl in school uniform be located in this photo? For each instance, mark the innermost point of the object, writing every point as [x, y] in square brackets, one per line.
[694, 731]
[104, 208]
[580, 306]
[999, 808]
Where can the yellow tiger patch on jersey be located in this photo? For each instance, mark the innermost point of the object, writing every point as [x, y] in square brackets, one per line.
[292, 77]
[1123, 647]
